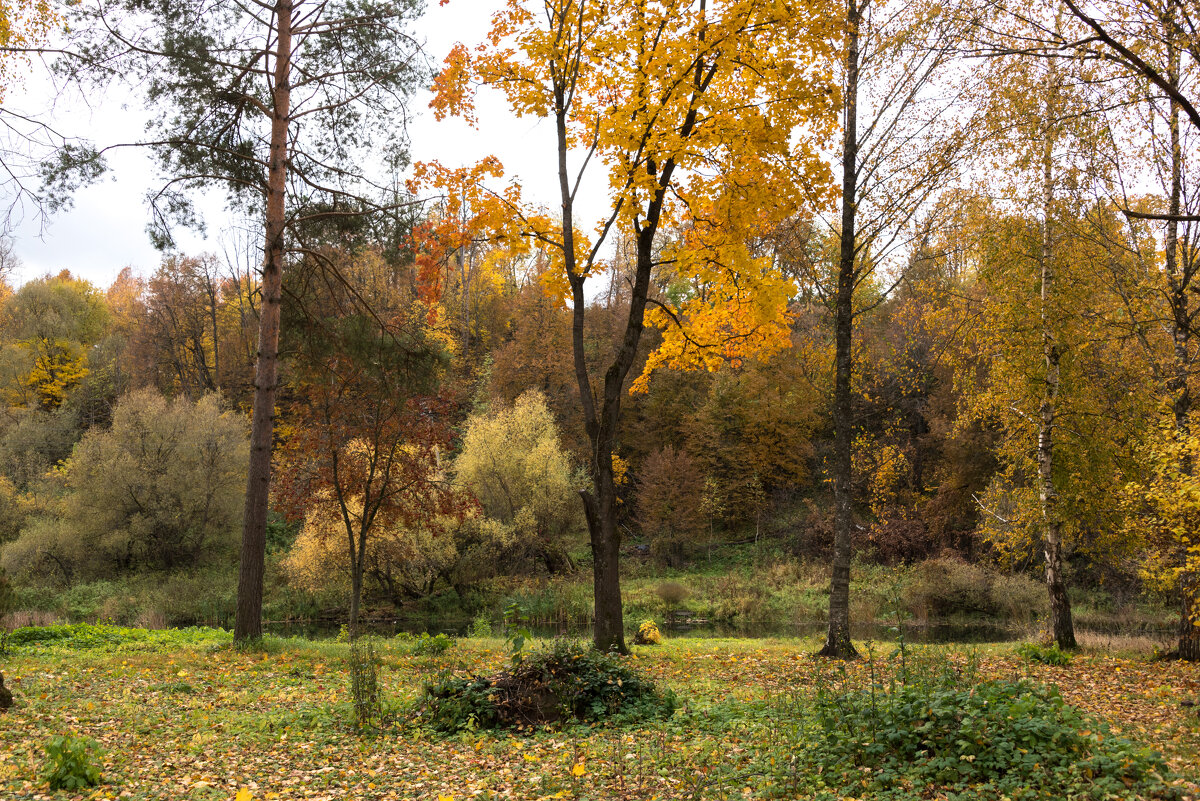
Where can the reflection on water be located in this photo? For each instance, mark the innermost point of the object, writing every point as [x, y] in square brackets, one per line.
[931, 633]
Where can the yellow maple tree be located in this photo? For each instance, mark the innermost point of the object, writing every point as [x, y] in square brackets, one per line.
[708, 119]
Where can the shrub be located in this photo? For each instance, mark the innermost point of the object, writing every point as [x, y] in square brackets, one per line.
[1047, 655]
[426, 645]
[69, 763]
[672, 593]
[566, 681]
[648, 633]
[481, 626]
[1019, 598]
[162, 488]
[990, 739]
[947, 586]
[514, 463]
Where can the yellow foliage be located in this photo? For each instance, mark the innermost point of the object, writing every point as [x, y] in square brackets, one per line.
[886, 467]
[58, 367]
[320, 560]
[1164, 508]
[23, 24]
[648, 633]
[710, 120]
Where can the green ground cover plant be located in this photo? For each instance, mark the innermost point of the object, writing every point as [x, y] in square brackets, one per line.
[1046, 654]
[69, 763]
[942, 730]
[199, 720]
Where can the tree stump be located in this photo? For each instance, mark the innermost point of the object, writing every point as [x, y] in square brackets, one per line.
[6, 699]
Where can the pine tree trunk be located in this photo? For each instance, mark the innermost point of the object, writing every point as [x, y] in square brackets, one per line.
[248, 622]
[837, 639]
[1060, 605]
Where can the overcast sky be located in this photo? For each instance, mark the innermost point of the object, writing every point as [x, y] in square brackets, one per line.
[106, 229]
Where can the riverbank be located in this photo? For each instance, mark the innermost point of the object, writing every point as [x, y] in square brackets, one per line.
[739, 590]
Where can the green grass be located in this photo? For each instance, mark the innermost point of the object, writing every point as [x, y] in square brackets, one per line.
[186, 715]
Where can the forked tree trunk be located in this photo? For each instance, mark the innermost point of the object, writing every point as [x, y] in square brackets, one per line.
[837, 639]
[248, 622]
[1060, 605]
[602, 415]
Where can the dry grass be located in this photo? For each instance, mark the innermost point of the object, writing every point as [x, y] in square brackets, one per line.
[28, 617]
[1107, 644]
[150, 619]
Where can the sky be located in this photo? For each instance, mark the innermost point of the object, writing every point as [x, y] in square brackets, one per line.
[105, 231]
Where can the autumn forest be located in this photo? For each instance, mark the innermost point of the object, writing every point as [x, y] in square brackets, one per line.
[844, 325]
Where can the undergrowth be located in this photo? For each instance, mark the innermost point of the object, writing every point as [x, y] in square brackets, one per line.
[87, 636]
[563, 682]
[933, 727]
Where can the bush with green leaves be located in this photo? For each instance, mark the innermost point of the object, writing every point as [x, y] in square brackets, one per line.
[1045, 654]
[563, 682]
[70, 763]
[953, 736]
[161, 489]
[481, 626]
[427, 645]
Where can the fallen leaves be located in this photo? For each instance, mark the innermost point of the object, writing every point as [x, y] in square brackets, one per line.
[256, 730]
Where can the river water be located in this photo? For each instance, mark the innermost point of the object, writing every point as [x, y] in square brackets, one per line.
[928, 633]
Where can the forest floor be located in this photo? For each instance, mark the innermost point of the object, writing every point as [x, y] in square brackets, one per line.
[187, 716]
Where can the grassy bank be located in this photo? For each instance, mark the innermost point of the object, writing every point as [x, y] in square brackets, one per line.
[185, 716]
[740, 586]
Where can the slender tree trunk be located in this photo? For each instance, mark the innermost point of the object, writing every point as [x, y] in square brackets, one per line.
[356, 585]
[248, 623]
[603, 424]
[837, 640]
[465, 280]
[1179, 282]
[216, 334]
[1060, 604]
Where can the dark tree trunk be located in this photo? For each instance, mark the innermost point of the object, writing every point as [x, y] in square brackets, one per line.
[1189, 618]
[602, 415]
[248, 622]
[356, 585]
[609, 634]
[837, 639]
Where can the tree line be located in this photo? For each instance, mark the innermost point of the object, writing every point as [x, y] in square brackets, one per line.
[929, 264]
